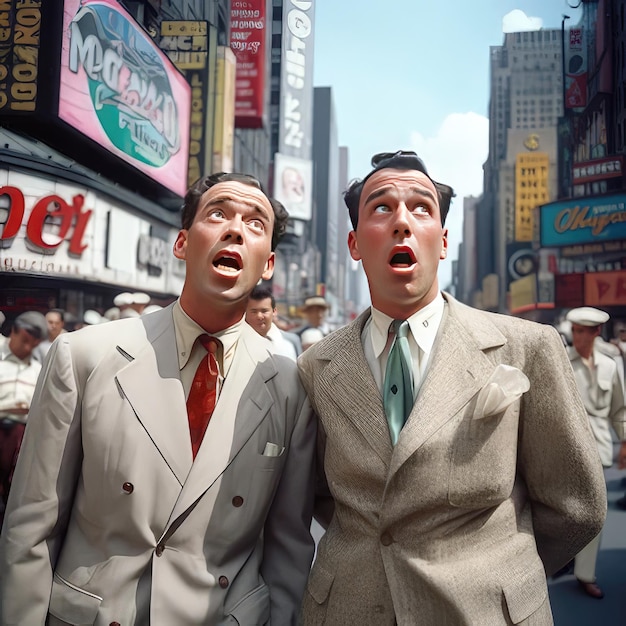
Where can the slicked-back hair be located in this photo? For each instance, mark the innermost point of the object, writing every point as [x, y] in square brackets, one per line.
[261, 292]
[197, 190]
[400, 160]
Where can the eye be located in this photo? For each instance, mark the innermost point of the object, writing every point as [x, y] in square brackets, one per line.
[381, 208]
[422, 209]
[217, 214]
[257, 225]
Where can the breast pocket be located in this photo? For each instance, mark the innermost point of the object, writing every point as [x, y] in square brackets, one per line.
[483, 459]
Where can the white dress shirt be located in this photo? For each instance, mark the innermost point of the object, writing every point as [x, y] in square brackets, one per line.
[191, 352]
[377, 340]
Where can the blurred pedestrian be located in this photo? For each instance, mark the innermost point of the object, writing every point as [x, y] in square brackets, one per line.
[122, 510]
[314, 309]
[261, 313]
[598, 381]
[18, 374]
[444, 436]
[55, 319]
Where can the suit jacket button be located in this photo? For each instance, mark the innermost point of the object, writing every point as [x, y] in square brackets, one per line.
[128, 488]
[159, 549]
[223, 582]
[386, 539]
[237, 501]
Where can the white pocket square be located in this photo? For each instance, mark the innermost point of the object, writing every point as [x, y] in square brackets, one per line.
[272, 449]
[505, 385]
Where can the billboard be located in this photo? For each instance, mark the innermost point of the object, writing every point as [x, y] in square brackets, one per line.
[120, 90]
[20, 42]
[531, 190]
[598, 169]
[293, 182]
[247, 41]
[583, 220]
[186, 44]
[575, 69]
[295, 136]
[605, 288]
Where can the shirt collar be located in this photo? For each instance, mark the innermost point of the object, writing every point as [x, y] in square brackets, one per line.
[423, 323]
[187, 331]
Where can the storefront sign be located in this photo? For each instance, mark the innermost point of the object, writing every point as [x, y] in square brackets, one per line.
[605, 289]
[70, 217]
[583, 220]
[598, 169]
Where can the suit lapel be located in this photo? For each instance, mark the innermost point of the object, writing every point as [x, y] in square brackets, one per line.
[243, 403]
[352, 387]
[151, 383]
[458, 370]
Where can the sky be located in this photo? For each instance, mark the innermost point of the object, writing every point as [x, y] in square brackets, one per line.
[414, 75]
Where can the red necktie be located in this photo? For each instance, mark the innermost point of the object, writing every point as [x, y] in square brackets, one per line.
[203, 393]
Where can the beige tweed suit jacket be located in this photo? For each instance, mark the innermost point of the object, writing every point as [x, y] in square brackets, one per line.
[459, 523]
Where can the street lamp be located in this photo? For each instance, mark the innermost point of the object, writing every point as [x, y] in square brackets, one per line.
[565, 17]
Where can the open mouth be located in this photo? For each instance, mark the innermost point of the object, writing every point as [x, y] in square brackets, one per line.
[227, 263]
[402, 259]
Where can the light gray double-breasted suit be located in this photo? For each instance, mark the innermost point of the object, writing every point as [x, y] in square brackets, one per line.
[460, 521]
[110, 520]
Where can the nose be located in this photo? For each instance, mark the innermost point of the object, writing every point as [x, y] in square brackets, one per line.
[402, 223]
[234, 229]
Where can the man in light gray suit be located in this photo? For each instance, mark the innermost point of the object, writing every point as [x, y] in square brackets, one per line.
[113, 518]
[491, 480]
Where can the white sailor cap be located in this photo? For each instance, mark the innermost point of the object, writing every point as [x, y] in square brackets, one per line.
[587, 316]
[140, 298]
[123, 299]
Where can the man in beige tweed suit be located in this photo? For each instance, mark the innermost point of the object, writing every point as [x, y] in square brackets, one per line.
[494, 481]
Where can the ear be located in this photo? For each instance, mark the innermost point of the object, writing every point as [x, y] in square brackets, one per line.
[180, 245]
[444, 245]
[268, 272]
[353, 246]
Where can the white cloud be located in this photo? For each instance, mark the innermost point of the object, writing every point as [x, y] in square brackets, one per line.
[517, 21]
[455, 156]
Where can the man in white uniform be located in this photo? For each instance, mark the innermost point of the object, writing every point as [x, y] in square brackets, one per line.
[601, 390]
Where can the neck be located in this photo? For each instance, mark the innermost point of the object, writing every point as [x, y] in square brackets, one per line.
[213, 319]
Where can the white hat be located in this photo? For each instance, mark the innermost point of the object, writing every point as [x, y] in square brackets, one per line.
[123, 299]
[312, 301]
[92, 317]
[311, 336]
[587, 316]
[151, 308]
[140, 298]
[112, 314]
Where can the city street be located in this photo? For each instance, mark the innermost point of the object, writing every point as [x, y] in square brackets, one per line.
[570, 605]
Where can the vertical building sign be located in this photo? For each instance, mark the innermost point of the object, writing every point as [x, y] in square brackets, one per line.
[224, 129]
[531, 190]
[296, 111]
[575, 70]
[247, 41]
[186, 44]
[20, 29]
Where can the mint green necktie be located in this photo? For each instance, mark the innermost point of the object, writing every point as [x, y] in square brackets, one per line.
[398, 386]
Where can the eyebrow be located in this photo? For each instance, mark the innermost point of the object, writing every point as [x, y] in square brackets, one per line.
[385, 190]
[225, 199]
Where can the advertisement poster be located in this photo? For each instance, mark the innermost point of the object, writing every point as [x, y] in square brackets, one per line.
[120, 90]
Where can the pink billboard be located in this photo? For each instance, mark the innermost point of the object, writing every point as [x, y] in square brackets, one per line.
[120, 90]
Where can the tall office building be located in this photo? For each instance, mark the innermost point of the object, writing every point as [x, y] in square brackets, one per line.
[521, 169]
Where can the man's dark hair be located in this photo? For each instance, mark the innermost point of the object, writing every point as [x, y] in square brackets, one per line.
[196, 191]
[261, 292]
[59, 312]
[401, 160]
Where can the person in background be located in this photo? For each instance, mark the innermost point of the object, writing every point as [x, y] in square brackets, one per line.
[310, 336]
[314, 310]
[261, 313]
[18, 374]
[603, 396]
[447, 436]
[55, 319]
[166, 472]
